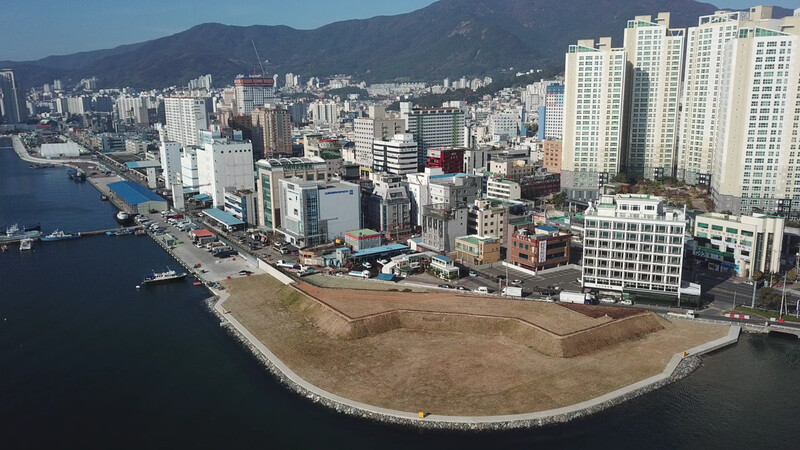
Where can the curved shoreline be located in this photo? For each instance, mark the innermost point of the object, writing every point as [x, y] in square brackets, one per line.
[679, 367]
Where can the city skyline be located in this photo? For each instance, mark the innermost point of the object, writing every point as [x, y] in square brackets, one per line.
[74, 29]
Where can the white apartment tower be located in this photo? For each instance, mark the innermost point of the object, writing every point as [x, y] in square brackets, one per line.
[594, 105]
[396, 155]
[705, 47]
[756, 161]
[367, 130]
[185, 117]
[655, 54]
[224, 165]
[434, 128]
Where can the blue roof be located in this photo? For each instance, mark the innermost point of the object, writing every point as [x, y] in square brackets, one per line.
[379, 250]
[142, 164]
[385, 276]
[418, 240]
[202, 197]
[225, 218]
[449, 175]
[134, 193]
[443, 258]
[546, 228]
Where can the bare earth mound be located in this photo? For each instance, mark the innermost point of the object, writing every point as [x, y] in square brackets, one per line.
[453, 354]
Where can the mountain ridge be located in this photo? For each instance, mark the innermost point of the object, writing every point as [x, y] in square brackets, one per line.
[449, 38]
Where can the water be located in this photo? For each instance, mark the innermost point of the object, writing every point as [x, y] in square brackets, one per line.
[88, 361]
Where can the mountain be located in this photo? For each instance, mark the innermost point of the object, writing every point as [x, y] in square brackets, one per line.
[449, 38]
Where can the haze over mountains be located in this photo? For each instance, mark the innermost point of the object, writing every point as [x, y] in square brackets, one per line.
[449, 38]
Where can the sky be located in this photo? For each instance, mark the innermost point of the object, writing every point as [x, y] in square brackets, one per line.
[33, 29]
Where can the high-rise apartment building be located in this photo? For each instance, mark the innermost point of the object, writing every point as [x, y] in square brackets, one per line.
[253, 91]
[10, 106]
[396, 155]
[433, 127]
[593, 148]
[324, 112]
[655, 54]
[271, 132]
[554, 112]
[186, 116]
[756, 160]
[702, 91]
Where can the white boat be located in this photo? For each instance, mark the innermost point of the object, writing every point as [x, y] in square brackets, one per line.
[25, 244]
[168, 275]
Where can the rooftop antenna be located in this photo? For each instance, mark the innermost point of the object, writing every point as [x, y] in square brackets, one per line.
[263, 71]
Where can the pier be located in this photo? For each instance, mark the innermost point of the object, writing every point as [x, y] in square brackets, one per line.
[83, 234]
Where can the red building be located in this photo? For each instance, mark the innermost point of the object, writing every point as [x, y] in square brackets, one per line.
[451, 160]
[539, 247]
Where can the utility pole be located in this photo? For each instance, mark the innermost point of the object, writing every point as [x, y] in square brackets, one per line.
[753, 302]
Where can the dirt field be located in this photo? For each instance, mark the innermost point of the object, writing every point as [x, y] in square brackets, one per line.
[448, 372]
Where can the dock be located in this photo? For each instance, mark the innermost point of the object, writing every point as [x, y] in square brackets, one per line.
[83, 234]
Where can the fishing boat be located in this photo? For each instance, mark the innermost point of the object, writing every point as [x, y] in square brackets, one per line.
[121, 231]
[25, 244]
[168, 275]
[59, 235]
[123, 218]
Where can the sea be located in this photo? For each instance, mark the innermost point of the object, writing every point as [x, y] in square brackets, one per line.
[88, 361]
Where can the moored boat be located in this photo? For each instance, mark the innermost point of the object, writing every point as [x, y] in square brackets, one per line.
[121, 231]
[168, 275]
[59, 235]
[123, 218]
[25, 244]
[15, 233]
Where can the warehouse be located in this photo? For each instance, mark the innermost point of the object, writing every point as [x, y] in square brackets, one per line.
[137, 198]
[69, 149]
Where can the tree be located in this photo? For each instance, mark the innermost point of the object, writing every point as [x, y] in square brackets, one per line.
[791, 275]
[757, 275]
[559, 199]
[768, 297]
[620, 177]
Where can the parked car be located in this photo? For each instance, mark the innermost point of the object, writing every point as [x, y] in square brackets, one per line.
[367, 265]
[445, 286]
[462, 288]
[383, 261]
[516, 282]
[472, 273]
[245, 272]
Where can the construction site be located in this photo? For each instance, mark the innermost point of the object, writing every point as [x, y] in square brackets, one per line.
[457, 354]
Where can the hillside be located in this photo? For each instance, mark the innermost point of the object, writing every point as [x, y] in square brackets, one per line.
[449, 38]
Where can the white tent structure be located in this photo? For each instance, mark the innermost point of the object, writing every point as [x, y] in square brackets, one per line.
[69, 149]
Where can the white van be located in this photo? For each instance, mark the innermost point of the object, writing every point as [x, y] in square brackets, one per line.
[482, 290]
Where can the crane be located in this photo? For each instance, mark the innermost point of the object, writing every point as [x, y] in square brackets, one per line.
[263, 70]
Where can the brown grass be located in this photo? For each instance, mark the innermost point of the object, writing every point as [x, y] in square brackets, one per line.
[428, 359]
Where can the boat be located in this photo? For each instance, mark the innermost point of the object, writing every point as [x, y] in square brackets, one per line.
[4, 248]
[140, 232]
[123, 218]
[71, 173]
[25, 244]
[35, 227]
[103, 197]
[59, 235]
[168, 275]
[15, 233]
[121, 231]
[80, 176]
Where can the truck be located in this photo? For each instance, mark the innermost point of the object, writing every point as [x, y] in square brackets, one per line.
[687, 315]
[359, 274]
[512, 291]
[575, 297]
[287, 265]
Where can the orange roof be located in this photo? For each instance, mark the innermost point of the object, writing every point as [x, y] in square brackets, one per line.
[202, 233]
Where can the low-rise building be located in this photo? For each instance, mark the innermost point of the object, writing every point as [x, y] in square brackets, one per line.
[633, 245]
[739, 244]
[502, 189]
[362, 239]
[487, 217]
[552, 156]
[477, 250]
[242, 204]
[440, 226]
[450, 160]
[539, 247]
[444, 267]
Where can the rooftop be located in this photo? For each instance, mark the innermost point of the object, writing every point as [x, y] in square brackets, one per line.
[378, 250]
[142, 164]
[134, 193]
[223, 217]
[364, 232]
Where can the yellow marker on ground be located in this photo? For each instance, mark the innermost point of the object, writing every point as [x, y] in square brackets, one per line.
[421, 415]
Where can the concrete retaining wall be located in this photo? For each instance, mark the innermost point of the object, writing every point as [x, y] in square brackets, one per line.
[266, 267]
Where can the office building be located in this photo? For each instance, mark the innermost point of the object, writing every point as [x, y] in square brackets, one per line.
[189, 176]
[487, 217]
[11, 106]
[435, 187]
[593, 146]
[655, 54]
[434, 128]
[502, 189]
[185, 117]
[387, 208]
[396, 155]
[313, 212]
[271, 171]
[739, 244]
[253, 91]
[441, 224]
[367, 130]
[540, 247]
[242, 205]
[271, 130]
[551, 159]
[224, 165]
[503, 125]
[633, 245]
[450, 160]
